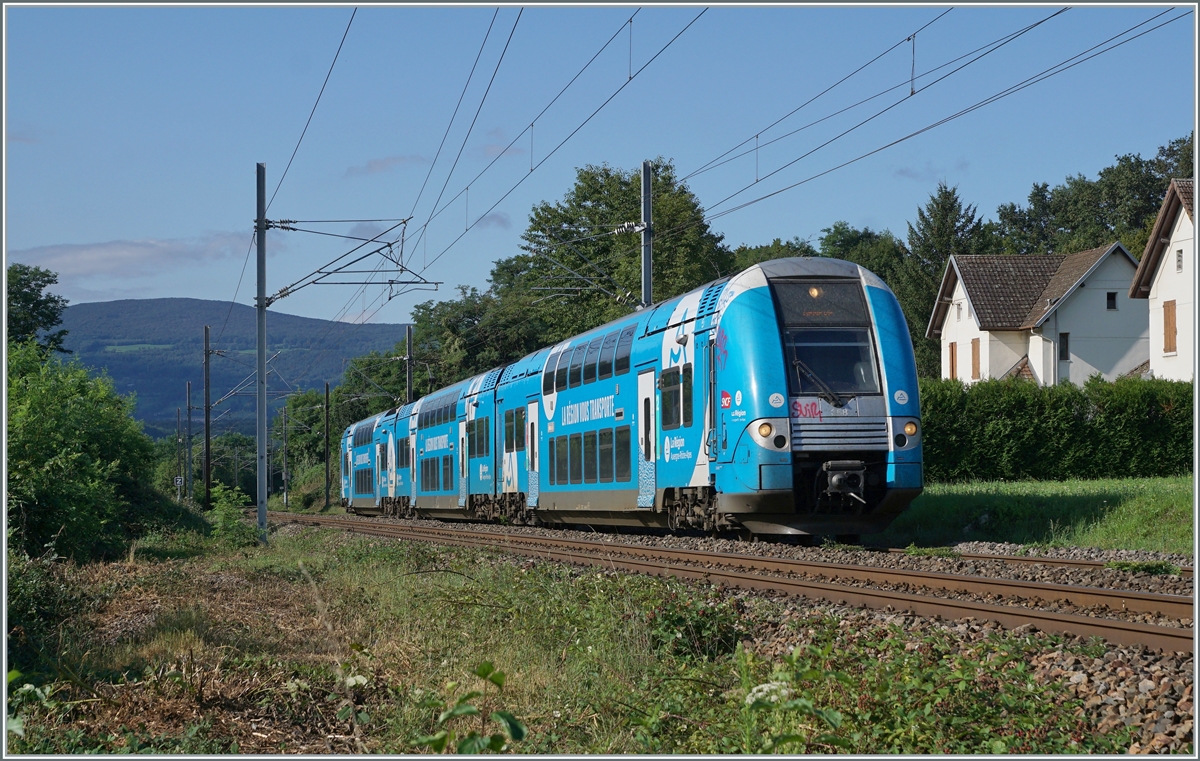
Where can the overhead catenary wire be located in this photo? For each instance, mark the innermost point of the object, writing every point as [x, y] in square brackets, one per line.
[1045, 74]
[423, 229]
[467, 84]
[883, 111]
[304, 131]
[815, 97]
[566, 139]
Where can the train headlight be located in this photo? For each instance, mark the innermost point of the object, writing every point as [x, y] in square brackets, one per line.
[910, 428]
[765, 429]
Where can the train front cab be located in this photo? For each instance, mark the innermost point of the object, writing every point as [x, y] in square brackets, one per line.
[818, 428]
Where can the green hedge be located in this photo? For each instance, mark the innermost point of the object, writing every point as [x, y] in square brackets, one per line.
[1016, 430]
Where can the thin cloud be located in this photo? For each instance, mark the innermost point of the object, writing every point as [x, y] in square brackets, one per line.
[116, 269]
[385, 164]
[496, 219]
[22, 137]
[498, 145]
[365, 230]
[926, 174]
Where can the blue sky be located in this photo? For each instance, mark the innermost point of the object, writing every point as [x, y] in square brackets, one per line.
[132, 133]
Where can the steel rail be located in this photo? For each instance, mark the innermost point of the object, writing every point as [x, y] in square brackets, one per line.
[602, 554]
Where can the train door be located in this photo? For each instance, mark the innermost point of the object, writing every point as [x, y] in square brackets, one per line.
[647, 435]
[412, 460]
[531, 455]
[379, 454]
[391, 461]
[463, 479]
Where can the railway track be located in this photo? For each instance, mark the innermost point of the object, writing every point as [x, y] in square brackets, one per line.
[836, 582]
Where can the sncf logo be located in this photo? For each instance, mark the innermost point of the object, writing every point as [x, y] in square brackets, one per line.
[726, 400]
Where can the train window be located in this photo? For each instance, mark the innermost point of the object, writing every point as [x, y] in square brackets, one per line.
[560, 457]
[485, 436]
[550, 460]
[837, 360]
[589, 457]
[510, 435]
[364, 481]
[383, 457]
[604, 369]
[447, 472]
[576, 440]
[560, 373]
[576, 376]
[589, 363]
[519, 424]
[624, 347]
[362, 434]
[606, 455]
[531, 463]
[671, 412]
[646, 444]
[346, 466]
[471, 443]
[548, 376]
[819, 303]
[621, 445]
[687, 395]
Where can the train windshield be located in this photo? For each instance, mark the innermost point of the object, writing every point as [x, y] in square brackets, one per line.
[827, 335]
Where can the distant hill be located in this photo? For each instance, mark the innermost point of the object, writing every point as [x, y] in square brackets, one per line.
[152, 347]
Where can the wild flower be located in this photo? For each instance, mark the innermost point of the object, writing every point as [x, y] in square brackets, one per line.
[772, 692]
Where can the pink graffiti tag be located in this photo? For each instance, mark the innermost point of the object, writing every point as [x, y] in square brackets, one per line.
[806, 409]
[722, 353]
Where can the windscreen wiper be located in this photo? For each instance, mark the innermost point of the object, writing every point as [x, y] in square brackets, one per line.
[823, 389]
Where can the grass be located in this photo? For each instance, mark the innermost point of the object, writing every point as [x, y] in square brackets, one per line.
[326, 642]
[1132, 514]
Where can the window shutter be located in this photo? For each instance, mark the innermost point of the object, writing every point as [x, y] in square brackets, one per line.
[974, 359]
[1168, 327]
[953, 359]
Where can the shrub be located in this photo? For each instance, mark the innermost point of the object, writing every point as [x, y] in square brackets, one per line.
[1007, 430]
[41, 595]
[78, 463]
[228, 521]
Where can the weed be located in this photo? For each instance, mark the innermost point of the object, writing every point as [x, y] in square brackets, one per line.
[931, 552]
[473, 742]
[695, 626]
[1154, 568]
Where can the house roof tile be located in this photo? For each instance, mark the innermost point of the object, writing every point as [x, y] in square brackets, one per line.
[1003, 289]
[1071, 269]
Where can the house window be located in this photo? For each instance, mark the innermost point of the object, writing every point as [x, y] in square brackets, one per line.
[974, 359]
[1169, 327]
[953, 360]
[1064, 347]
[1111, 303]
[1179, 260]
[958, 309]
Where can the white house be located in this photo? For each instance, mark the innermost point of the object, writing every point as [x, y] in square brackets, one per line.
[1166, 278]
[1048, 318]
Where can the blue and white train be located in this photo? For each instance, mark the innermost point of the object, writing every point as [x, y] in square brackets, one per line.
[781, 400]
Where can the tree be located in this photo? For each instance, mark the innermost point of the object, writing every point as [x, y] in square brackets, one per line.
[881, 253]
[574, 238]
[1120, 204]
[79, 465]
[745, 256]
[31, 311]
[944, 228]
